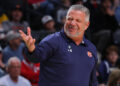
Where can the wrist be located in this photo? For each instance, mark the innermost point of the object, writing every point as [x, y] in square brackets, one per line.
[31, 49]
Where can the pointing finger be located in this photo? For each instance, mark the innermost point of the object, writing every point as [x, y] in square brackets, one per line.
[28, 31]
[23, 35]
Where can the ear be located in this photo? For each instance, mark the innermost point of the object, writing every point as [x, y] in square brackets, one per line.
[87, 25]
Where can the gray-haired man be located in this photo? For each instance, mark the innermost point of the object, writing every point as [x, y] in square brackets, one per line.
[67, 57]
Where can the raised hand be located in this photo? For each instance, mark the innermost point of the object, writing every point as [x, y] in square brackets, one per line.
[27, 38]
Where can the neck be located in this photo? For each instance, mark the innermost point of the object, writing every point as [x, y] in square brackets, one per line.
[14, 79]
[78, 40]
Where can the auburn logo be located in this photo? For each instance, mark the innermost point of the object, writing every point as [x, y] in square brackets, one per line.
[89, 54]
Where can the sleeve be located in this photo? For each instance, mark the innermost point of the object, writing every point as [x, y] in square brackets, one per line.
[93, 79]
[2, 82]
[43, 51]
[29, 73]
[102, 72]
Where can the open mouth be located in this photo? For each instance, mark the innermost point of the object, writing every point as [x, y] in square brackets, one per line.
[72, 28]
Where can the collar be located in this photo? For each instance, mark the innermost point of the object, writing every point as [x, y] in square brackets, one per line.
[70, 40]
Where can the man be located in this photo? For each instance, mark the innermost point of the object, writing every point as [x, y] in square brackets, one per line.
[16, 21]
[30, 71]
[67, 58]
[14, 47]
[48, 23]
[2, 65]
[13, 77]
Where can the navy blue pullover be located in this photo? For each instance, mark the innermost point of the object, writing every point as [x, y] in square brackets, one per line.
[63, 63]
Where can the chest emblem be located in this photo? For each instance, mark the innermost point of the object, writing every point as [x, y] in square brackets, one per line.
[69, 48]
[89, 54]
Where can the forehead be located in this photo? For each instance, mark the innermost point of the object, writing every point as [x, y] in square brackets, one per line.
[15, 63]
[76, 14]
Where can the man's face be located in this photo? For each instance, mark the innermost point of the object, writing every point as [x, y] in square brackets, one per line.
[17, 15]
[14, 69]
[16, 42]
[50, 25]
[107, 4]
[75, 24]
[113, 57]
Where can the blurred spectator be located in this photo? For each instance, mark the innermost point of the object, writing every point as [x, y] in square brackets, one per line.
[116, 37]
[117, 14]
[30, 71]
[48, 27]
[35, 3]
[108, 64]
[16, 21]
[3, 16]
[2, 65]
[14, 47]
[117, 10]
[2, 32]
[48, 23]
[104, 25]
[13, 77]
[94, 7]
[114, 78]
[61, 13]
[46, 8]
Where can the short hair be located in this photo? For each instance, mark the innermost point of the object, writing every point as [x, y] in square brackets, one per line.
[80, 8]
[111, 48]
[13, 59]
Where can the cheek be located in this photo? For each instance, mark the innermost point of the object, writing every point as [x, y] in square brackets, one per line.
[65, 26]
[12, 71]
[81, 26]
[115, 57]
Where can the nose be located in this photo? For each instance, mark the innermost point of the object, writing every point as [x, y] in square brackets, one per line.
[73, 22]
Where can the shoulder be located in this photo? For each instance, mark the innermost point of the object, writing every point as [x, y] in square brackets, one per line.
[90, 45]
[4, 79]
[24, 81]
[52, 38]
[52, 41]
[6, 49]
[104, 64]
[22, 45]
[6, 22]
[25, 23]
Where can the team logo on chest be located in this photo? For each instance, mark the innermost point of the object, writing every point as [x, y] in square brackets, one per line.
[69, 48]
[89, 54]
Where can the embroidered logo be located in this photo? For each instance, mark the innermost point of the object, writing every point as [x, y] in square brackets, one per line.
[89, 54]
[69, 48]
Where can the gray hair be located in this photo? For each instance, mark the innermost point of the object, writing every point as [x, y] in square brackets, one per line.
[80, 8]
[13, 59]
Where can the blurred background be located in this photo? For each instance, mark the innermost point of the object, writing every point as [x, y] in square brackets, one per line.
[48, 16]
